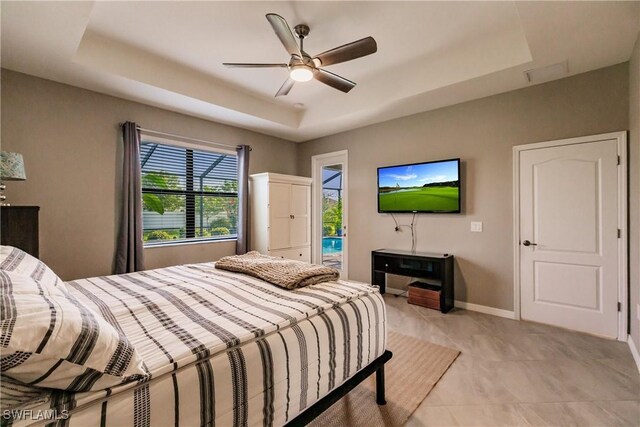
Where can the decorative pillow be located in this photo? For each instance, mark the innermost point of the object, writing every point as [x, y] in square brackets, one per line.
[49, 339]
[17, 260]
[17, 283]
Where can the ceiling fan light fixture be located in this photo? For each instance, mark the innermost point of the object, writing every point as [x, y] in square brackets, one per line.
[301, 73]
[302, 67]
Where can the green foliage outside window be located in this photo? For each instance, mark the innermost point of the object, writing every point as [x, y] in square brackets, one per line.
[218, 215]
[215, 208]
[158, 235]
[331, 216]
[161, 203]
[328, 230]
[220, 231]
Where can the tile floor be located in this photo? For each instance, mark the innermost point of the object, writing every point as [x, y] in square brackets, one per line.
[519, 373]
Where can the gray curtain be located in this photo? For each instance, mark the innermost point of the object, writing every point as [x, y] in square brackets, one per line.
[242, 244]
[129, 246]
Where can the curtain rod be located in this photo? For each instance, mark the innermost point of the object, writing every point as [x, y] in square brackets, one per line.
[184, 137]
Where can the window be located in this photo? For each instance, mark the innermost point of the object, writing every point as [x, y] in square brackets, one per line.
[187, 194]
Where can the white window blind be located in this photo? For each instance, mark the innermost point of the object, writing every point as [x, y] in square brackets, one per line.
[188, 194]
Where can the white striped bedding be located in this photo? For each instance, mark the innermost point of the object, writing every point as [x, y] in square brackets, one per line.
[223, 348]
[49, 339]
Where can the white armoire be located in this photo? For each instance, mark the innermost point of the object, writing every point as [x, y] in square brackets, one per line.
[280, 215]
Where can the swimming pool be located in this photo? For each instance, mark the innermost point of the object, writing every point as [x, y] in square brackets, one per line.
[331, 245]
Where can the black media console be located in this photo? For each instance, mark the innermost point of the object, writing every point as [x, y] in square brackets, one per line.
[429, 268]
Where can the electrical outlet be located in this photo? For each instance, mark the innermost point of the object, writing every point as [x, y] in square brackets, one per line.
[476, 226]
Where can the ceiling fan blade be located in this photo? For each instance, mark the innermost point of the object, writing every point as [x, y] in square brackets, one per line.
[249, 65]
[349, 51]
[286, 87]
[333, 80]
[283, 31]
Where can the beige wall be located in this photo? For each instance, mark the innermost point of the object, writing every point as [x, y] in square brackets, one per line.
[70, 141]
[634, 192]
[482, 133]
[69, 137]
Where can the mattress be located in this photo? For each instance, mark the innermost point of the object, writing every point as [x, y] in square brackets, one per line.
[222, 348]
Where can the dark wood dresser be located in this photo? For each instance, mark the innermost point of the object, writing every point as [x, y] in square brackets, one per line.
[19, 228]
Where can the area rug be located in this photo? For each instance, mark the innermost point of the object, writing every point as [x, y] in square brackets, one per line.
[410, 375]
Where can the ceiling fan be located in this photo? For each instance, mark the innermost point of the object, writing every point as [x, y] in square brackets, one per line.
[303, 67]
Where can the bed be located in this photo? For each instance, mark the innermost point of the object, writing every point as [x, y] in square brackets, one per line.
[224, 349]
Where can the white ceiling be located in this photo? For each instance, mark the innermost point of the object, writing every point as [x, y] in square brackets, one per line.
[430, 54]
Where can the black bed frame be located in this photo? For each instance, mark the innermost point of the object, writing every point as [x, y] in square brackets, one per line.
[336, 394]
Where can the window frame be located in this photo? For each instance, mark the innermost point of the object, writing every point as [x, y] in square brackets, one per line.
[189, 193]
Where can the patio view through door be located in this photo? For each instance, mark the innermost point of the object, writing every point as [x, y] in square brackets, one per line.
[330, 210]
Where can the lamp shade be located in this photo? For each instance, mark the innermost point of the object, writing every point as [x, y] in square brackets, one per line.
[12, 166]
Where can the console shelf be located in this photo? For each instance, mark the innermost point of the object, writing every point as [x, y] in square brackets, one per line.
[432, 269]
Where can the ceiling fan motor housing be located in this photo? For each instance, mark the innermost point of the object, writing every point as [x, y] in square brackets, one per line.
[301, 30]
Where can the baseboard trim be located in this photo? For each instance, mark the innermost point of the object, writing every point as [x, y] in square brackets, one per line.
[634, 351]
[467, 306]
[485, 309]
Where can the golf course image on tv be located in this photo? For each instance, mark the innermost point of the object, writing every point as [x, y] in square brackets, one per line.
[422, 187]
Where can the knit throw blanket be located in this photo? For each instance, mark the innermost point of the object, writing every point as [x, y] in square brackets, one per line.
[286, 273]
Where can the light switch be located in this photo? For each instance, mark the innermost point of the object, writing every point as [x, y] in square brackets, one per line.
[476, 226]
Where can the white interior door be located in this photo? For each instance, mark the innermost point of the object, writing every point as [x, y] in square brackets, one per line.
[569, 248]
[279, 215]
[330, 244]
[300, 215]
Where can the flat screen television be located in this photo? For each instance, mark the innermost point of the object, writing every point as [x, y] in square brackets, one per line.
[429, 187]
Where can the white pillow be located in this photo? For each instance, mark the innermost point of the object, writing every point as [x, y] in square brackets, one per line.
[17, 260]
[50, 339]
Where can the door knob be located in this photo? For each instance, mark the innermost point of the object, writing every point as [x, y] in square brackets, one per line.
[528, 243]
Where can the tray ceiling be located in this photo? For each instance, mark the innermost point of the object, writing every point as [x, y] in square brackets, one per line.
[430, 54]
